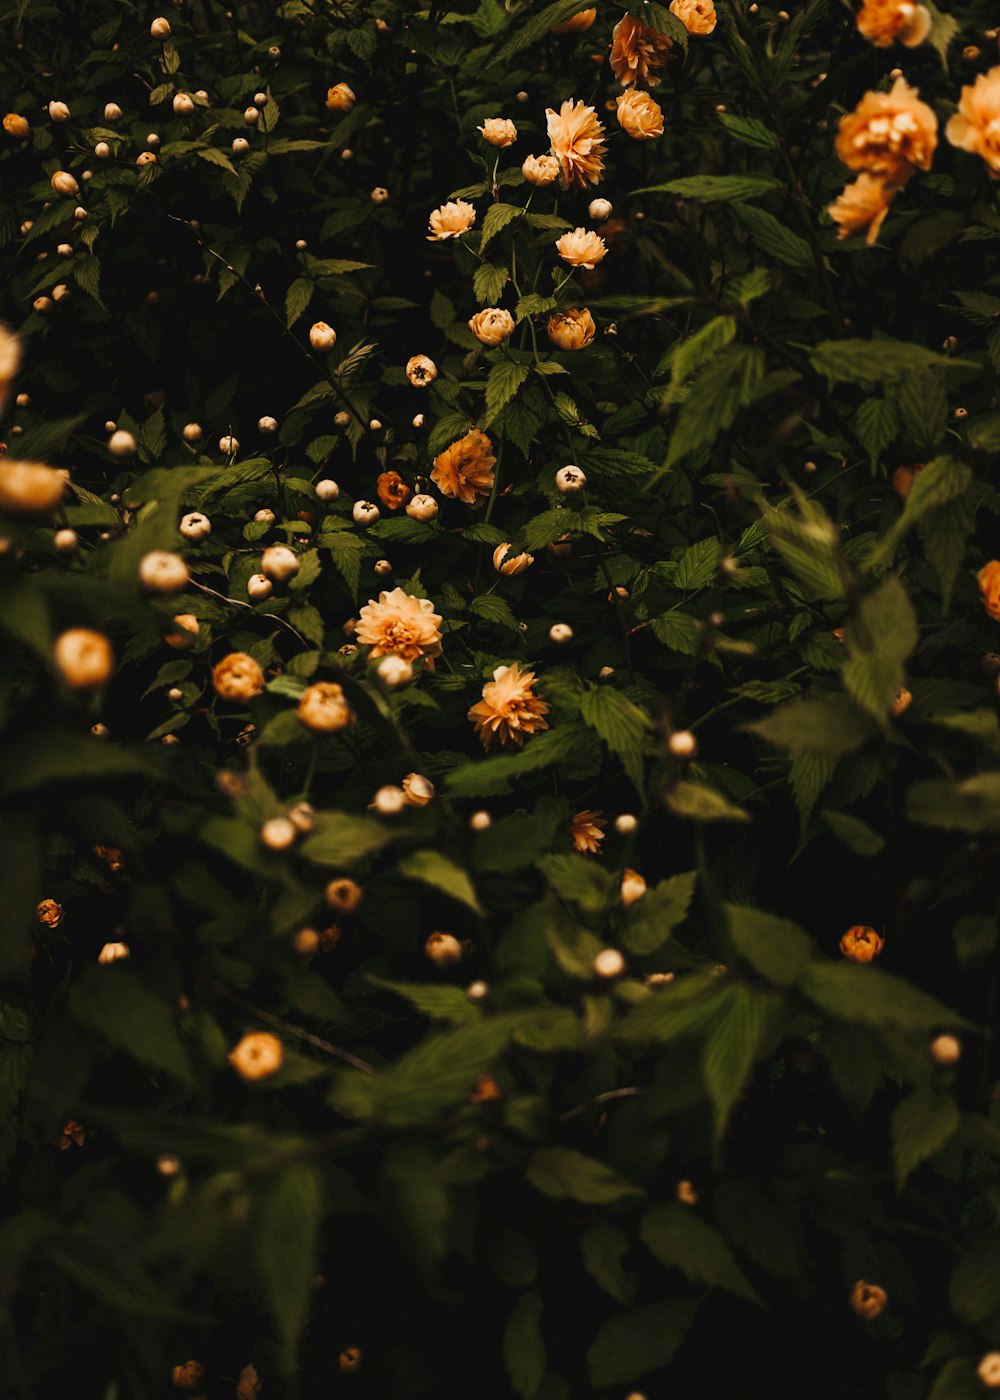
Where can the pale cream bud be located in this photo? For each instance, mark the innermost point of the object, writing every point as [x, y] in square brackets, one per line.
[162, 571]
[609, 963]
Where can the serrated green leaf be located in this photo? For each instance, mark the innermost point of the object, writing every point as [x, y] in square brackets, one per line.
[680, 1239]
[652, 919]
[621, 724]
[433, 868]
[564, 1173]
[285, 1239]
[875, 998]
[701, 803]
[633, 1343]
[921, 1125]
[498, 216]
[524, 1351]
[776, 948]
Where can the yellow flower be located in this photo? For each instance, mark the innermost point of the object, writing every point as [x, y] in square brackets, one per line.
[340, 98]
[582, 248]
[862, 206]
[637, 52]
[697, 16]
[257, 1055]
[451, 219]
[868, 1300]
[975, 126]
[571, 330]
[492, 325]
[576, 24]
[417, 790]
[83, 658]
[512, 566]
[639, 116]
[421, 371]
[464, 471]
[587, 831]
[400, 625]
[891, 134]
[30, 488]
[498, 131]
[238, 677]
[509, 708]
[883, 22]
[861, 944]
[50, 913]
[577, 143]
[323, 709]
[15, 125]
[540, 170]
[633, 887]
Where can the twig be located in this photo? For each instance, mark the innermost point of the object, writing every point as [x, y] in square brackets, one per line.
[286, 1026]
[611, 1094]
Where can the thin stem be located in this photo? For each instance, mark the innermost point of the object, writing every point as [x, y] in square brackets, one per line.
[297, 1032]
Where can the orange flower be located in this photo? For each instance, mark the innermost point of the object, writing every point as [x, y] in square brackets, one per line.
[861, 944]
[862, 206]
[50, 913]
[582, 248]
[577, 143]
[571, 330]
[73, 1134]
[451, 219]
[238, 677]
[883, 22]
[637, 52]
[400, 625]
[464, 471]
[975, 126]
[485, 1090]
[587, 831]
[257, 1055]
[323, 708]
[989, 588]
[697, 16]
[576, 24]
[639, 116]
[509, 708]
[392, 490]
[890, 134]
[902, 702]
[868, 1300]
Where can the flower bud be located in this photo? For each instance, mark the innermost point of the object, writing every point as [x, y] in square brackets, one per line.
[599, 210]
[323, 337]
[988, 1370]
[192, 1373]
[379, 194]
[422, 507]
[42, 305]
[65, 184]
[341, 418]
[112, 112]
[492, 326]
[146, 158]
[443, 949]
[187, 634]
[259, 587]
[365, 512]
[609, 963]
[626, 824]
[58, 112]
[349, 1360]
[114, 952]
[394, 672]
[383, 568]
[161, 571]
[498, 131]
[192, 432]
[323, 708]
[183, 104]
[122, 444]
[326, 490]
[480, 821]
[65, 541]
[195, 526]
[160, 28]
[560, 632]
[238, 677]
[633, 887]
[513, 565]
[251, 116]
[868, 1300]
[279, 563]
[17, 126]
[240, 145]
[278, 833]
[418, 790]
[229, 445]
[340, 98]
[421, 371]
[83, 658]
[267, 424]
[257, 1055]
[570, 480]
[343, 894]
[30, 488]
[389, 801]
[946, 1049]
[683, 744]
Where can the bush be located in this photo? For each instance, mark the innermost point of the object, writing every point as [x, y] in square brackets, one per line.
[500, 751]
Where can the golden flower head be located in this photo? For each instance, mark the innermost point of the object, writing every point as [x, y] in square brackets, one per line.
[50, 913]
[975, 126]
[400, 625]
[868, 1300]
[890, 134]
[578, 144]
[257, 1055]
[340, 98]
[238, 677]
[464, 471]
[421, 371]
[323, 708]
[392, 490]
[509, 708]
[587, 832]
[571, 330]
[30, 488]
[637, 52]
[633, 887]
[862, 207]
[492, 325]
[861, 944]
[83, 658]
[451, 219]
[510, 565]
[417, 790]
[639, 116]
[989, 587]
[498, 131]
[885, 22]
[582, 248]
[576, 24]
[697, 16]
[540, 170]
[15, 125]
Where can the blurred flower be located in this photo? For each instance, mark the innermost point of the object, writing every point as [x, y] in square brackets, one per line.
[83, 658]
[577, 143]
[868, 1300]
[340, 98]
[10, 356]
[30, 488]
[392, 490]
[639, 116]
[975, 126]
[861, 944]
[901, 703]
[464, 471]
[582, 247]
[50, 913]
[571, 330]
[114, 952]
[637, 52]
[862, 206]
[400, 625]
[451, 219]
[257, 1055]
[988, 1370]
[418, 790]
[15, 125]
[343, 894]
[989, 587]
[73, 1134]
[249, 1386]
[238, 677]
[884, 22]
[576, 24]
[540, 170]
[323, 708]
[697, 16]
[485, 1090]
[891, 134]
[587, 832]
[633, 887]
[509, 708]
[492, 325]
[498, 131]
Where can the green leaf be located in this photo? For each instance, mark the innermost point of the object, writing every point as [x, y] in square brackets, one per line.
[680, 1239]
[877, 424]
[439, 1003]
[339, 838]
[636, 1342]
[809, 543]
[880, 636]
[727, 384]
[297, 298]
[652, 919]
[686, 356]
[975, 1281]
[498, 216]
[433, 868]
[492, 608]
[622, 726]
[488, 283]
[749, 131]
[923, 410]
[524, 1352]
[733, 1045]
[117, 1004]
[488, 777]
[582, 882]
[678, 631]
[776, 948]
[536, 28]
[829, 726]
[970, 804]
[702, 804]
[874, 998]
[216, 157]
[603, 1246]
[44, 756]
[516, 841]
[711, 188]
[285, 1238]
[877, 361]
[415, 1200]
[684, 1008]
[564, 1173]
[772, 237]
[856, 835]
[921, 1124]
[506, 378]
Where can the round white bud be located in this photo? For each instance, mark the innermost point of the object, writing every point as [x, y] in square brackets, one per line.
[112, 112]
[341, 418]
[683, 744]
[267, 424]
[570, 480]
[161, 571]
[229, 445]
[251, 116]
[259, 587]
[264, 516]
[322, 336]
[609, 963]
[480, 821]
[183, 104]
[102, 150]
[422, 507]
[278, 834]
[192, 432]
[279, 563]
[326, 490]
[946, 1049]
[599, 210]
[122, 443]
[365, 512]
[418, 420]
[240, 145]
[389, 801]
[160, 28]
[394, 672]
[65, 541]
[560, 632]
[195, 526]
[626, 824]
[383, 568]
